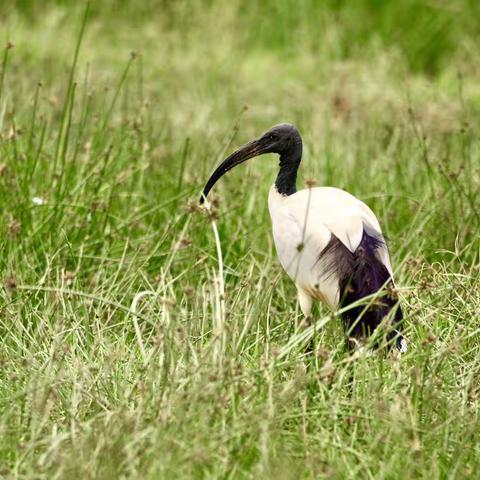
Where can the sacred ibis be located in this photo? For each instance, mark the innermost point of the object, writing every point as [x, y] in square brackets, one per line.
[329, 242]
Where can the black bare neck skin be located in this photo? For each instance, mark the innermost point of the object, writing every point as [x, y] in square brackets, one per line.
[286, 182]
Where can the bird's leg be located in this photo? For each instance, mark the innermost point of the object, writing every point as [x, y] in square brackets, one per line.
[306, 302]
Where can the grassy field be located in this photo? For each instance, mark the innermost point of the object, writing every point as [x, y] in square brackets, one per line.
[129, 350]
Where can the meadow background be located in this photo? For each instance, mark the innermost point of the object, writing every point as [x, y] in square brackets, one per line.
[128, 349]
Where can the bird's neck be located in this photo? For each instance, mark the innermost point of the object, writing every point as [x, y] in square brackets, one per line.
[286, 182]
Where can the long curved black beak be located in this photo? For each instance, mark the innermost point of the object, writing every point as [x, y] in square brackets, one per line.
[250, 150]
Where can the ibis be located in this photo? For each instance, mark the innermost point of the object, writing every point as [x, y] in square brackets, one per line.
[328, 242]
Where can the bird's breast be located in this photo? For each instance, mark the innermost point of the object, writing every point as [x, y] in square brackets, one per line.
[299, 241]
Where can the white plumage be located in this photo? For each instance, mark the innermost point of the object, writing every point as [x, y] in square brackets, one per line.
[303, 224]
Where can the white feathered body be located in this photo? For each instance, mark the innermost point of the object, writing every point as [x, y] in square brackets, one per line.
[303, 225]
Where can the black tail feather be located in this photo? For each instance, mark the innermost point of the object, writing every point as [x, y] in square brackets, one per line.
[362, 274]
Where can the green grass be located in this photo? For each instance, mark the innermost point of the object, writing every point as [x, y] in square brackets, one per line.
[125, 351]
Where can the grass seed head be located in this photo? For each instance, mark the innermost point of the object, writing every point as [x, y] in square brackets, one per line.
[188, 291]
[10, 283]
[13, 228]
[185, 242]
[192, 206]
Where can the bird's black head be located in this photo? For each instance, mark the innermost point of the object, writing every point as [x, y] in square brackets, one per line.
[283, 139]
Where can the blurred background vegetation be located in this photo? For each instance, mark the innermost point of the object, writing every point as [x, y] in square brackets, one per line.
[427, 35]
